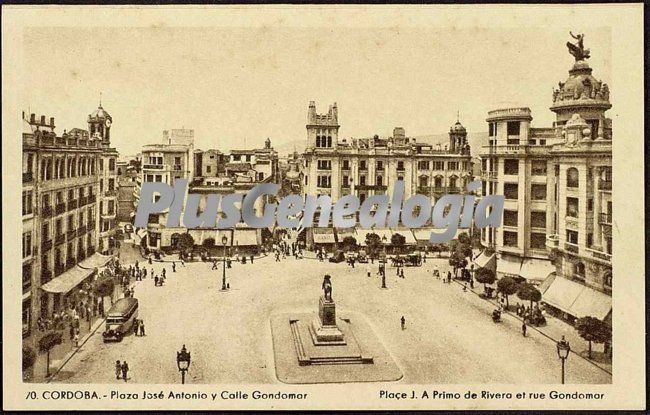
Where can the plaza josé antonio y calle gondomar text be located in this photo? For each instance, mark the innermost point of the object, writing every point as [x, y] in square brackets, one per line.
[295, 211]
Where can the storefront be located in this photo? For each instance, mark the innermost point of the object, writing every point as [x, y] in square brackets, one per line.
[571, 300]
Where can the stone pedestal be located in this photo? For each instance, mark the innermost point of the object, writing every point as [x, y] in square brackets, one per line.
[324, 330]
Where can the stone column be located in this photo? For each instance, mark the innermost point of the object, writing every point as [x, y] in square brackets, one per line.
[597, 232]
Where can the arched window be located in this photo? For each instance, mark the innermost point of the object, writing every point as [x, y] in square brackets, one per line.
[608, 279]
[437, 181]
[61, 168]
[572, 176]
[318, 141]
[424, 181]
[453, 181]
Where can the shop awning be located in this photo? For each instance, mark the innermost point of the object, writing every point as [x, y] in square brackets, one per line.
[562, 293]
[536, 269]
[324, 236]
[360, 236]
[592, 303]
[509, 267]
[342, 233]
[96, 260]
[67, 281]
[485, 261]
[246, 237]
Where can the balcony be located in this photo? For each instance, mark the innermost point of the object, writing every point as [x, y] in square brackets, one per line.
[489, 175]
[28, 177]
[605, 185]
[83, 201]
[59, 269]
[370, 187]
[72, 204]
[111, 192]
[569, 247]
[91, 226]
[71, 234]
[81, 256]
[46, 246]
[70, 262]
[46, 275]
[59, 239]
[92, 199]
[46, 211]
[178, 167]
[605, 218]
[603, 256]
[59, 208]
[81, 230]
[90, 251]
[152, 166]
[453, 190]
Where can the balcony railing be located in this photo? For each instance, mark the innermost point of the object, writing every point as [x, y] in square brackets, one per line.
[91, 226]
[46, 275]
[72, 204]
[59, 208]
[489, 175]
[83, 201]
[59, 269]
[453, 190]
[71, 234]
[28, 177]
[606, 218]
[92, 199]
[552, 241]
[599, 254]
[569, 247]
[46, 211]
[81, 256]
[370, 187]
[112, 192]
[81, 230]
[59, 239]
[605, 184]
[46, 245]
[90, 250]
[70, 262]
[152, 166]
[178, 167]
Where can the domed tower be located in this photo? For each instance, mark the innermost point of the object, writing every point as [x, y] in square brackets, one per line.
[581, 94]
[457, 137]
[99, 126]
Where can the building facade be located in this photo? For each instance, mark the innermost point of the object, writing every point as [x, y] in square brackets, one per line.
[62, 193]
[558, 203]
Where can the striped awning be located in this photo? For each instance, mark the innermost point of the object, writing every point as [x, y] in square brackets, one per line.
[96, 260]
[67, 281]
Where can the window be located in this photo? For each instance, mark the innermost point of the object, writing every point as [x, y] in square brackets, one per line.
[538, 192]
[538, 219]
[400, 178]
[424, 181]
[572, 205]
[423, 165]
[45, 232]
[380, 181]
[346, 165]
[572, 176]
[28, 207]
[572, 237]
[236, 157]
[438, 165]
[590, 239]
[590, 205]
[111, 164]
[511, 166]
[509, 238]
[593, 126]
[248, 158]
[437, 182]
[514, 128]
[177, 161]
[362, 165]
[538, 168]
[346, 181]
[400, 165]
[607, 279]
[111, 185]
[538, 240]
[579, 270]
[70, 222]
[207, 169]
[324, 181]
[380, 165]
[27, 244]
[511, 191]
[362, 180]
[111, 207]
[452, 165]
[324, 164]
[58, 227]
[452, 182]
[510, 217]
[27, 277]
[493, 129]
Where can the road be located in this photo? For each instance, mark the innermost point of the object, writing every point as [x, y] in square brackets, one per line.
[449, 336]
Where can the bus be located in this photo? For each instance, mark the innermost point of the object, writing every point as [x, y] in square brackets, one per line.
[120, 319]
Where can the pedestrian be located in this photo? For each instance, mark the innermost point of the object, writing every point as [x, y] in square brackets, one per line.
[150, 260]
[368, 270]
[182, 262]
[155, 281]
[214, 264]
[523, 329]
[403, 322]
[449, 277]
[76, 338]
[401, 272]
[142, 328]
[465, 287]
[71, 331]
[471, 283]
[144, 273]
[118, 369]
[173, 266]
[125, 370]
[252, 258]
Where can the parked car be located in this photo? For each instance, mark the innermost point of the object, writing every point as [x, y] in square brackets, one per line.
[338, 256]
[128, 228]
[362, 256]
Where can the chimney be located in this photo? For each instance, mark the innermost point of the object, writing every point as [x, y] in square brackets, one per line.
[32, 118]
[335, 113]
[42, 119]
[52, 122]
[311, 114]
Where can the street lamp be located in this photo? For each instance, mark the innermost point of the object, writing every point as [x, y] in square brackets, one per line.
[383, 274]
[563, 350]
[224, 241]
[183, 361]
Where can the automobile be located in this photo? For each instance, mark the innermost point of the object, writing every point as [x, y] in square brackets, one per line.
[128, 228]
[362, 256]
[413, 260]
[338, 256]
[120, 319]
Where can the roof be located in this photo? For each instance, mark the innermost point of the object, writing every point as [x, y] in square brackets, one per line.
[67, 281]
[123, 305]
[96, 260]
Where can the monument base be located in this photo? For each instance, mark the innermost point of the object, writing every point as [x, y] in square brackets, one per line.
[323, 329]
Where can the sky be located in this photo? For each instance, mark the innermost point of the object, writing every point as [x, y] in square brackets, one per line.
[237, 86]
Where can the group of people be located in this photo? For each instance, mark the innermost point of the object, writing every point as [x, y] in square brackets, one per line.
[138, 327]
[121, 370]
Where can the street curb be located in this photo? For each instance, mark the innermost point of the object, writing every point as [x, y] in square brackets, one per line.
[536, 329]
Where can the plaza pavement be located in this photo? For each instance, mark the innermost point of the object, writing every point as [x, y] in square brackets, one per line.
[449, 336]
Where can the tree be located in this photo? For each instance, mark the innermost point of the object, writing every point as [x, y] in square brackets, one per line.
[485, 276]
[457, 260]
[398, 241]
[507, 286]
[464, 239]
[185, 243]
[47, 343]
[29, 357]
[528, 292]
[349, 243]
[593, 330]
[373, 242]
[104, 287]
[208, 243]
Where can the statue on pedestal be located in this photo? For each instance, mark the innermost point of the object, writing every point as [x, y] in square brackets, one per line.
[327, 288]
[578, 49]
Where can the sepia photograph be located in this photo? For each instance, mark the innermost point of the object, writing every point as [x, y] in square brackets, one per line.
[303, 205]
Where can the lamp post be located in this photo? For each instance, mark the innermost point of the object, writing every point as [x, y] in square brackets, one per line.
[224, 241]
[383, 273]
[183, 361]
[563, 350]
